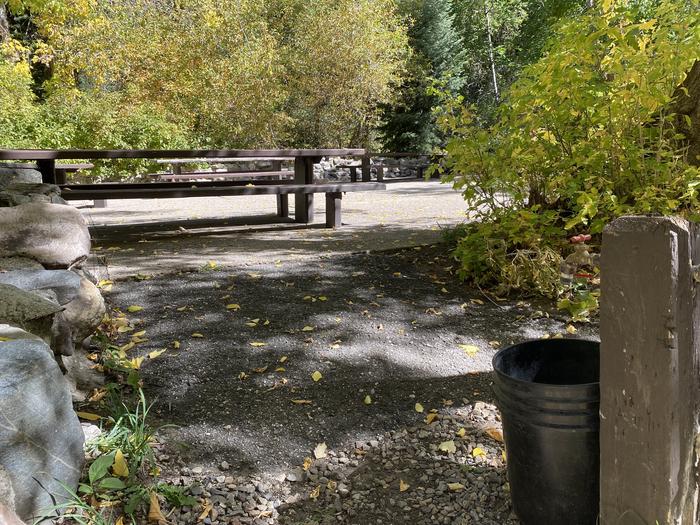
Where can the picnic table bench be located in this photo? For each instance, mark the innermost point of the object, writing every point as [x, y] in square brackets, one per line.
[303, 186]
[275, 171]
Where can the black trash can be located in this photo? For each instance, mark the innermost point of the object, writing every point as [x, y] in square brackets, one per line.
[548, 394]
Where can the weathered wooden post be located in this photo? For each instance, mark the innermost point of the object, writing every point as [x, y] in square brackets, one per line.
[650, 332]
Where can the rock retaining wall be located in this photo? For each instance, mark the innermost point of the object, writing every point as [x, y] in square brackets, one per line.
[48, 307]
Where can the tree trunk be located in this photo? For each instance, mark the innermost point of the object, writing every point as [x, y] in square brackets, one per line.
[4, 24]
[688, 104]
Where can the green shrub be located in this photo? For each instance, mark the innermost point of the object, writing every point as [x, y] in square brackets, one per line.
[584, 136]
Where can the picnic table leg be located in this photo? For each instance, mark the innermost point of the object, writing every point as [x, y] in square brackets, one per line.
[61, 176]
[283, 205]
[353, 173]
[47, 168]
[276, 165]
[380, 173]
[303, 202]
[333, 210]
[366, 174]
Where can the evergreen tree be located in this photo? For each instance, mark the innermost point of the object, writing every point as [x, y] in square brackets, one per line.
[409, 124]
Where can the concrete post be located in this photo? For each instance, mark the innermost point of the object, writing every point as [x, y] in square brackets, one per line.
[649, 370]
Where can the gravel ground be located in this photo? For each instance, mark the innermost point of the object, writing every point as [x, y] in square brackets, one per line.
[384, 330]
[247, 312]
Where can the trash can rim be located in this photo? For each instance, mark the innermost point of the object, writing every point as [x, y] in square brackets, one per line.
[540, 340]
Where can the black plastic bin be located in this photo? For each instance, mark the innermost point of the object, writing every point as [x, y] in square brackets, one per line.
[549, 396]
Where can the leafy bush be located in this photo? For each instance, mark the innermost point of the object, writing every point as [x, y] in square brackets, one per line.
[585, 135]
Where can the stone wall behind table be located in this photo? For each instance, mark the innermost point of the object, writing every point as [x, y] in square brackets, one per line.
[48, 307]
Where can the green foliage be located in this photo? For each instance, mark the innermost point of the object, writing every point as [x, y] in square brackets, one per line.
[437, 57]
[197, 73]
[584, 136]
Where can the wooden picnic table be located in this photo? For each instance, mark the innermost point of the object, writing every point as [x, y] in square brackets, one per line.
[302, 186]
[176, 164]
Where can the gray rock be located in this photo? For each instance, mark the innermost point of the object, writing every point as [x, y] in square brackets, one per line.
[9, 264]
[41, 440]
[37, 313]
[85, 312]
[90, 432]
[7, 493]
[23, 193]
[81, 375]
[16, 173]
[26, 310]
[56, 236]
[13, 333]
[8, 517]
[65, 284]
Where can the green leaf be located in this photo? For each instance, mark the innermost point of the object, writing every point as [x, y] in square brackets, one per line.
[112, 484]
[100, 467]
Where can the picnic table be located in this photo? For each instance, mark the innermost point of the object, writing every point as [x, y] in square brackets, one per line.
[303, 186]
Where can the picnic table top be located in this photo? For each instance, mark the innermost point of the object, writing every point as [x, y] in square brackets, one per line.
[219, 159]
[33, 154]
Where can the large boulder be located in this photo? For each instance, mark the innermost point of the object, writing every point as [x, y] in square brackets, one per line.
[27, 310]
[86, 311]
[41, 440]
[23, 193]
[18, 173]
[57, 236]
[38, 312]
[10, 264]
[64, 284]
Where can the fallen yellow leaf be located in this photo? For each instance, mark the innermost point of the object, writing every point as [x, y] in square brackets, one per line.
[403, 486]
[307, 329]
[461, 432]
[316, 376]
[315, 493]
[206, 509]
[495, 434]
[478, 452]
[302, 402]
[176, 345]
[367, 400]
[139, 334]
[470, 350]
[135, 363]
[455, 487]
[89, 416]
[120, 467]
[571, 329]
[234, 307]
[307, 463]
[134, 308]
[156, 353]
[197, 335]
[430, 418]
[128, 346]
[419, 408]
[320, 451]
[283, 358]
[257, 344]
[447, 446]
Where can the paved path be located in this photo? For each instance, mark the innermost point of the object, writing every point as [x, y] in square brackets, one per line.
[156, 236]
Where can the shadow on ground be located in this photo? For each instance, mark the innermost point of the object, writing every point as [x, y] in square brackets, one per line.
[388, 326]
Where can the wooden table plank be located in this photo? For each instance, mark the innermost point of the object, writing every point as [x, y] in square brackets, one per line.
[45, 155]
